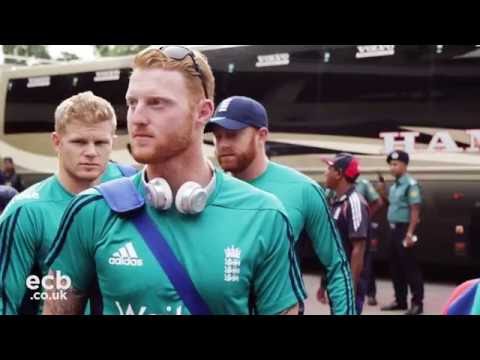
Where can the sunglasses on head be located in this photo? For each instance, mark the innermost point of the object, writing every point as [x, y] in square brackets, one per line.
[179, 53]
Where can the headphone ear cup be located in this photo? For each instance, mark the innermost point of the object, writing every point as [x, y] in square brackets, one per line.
[191, 198]
[159, 194]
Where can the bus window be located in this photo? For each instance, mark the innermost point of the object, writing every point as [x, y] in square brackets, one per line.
[111, 85]
[456, 84]
[332, 89]
[274, 75]
[374, 88]
[31, 103]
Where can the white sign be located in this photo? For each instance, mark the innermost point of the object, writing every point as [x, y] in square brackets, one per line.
[273, 60]
[441, 141]
[474, 140]
[38, 82]
[407, 142]
[110, 75]
[367, 51]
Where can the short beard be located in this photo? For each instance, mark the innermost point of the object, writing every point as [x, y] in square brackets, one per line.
[168, 149]
[243, 160]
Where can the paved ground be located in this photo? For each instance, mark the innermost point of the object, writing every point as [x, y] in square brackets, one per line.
[436, 296]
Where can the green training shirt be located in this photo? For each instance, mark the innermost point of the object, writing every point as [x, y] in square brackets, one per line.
[404, 193]
[307, 209]
[238, 252]
[27, 229]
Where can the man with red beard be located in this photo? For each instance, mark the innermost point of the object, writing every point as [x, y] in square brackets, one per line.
[240, 127]
[180, 237]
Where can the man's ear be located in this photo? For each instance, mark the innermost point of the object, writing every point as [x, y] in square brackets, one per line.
[205, 111]
[263, 133]
[56, 141]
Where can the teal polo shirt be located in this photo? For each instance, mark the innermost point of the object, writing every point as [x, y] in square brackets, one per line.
[404, 193]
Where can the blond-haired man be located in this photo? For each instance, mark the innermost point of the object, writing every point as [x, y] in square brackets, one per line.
[85, 126]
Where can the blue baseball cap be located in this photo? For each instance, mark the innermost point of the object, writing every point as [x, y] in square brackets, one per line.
[237, 113]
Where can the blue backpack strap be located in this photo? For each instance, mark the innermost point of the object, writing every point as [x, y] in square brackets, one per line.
[175, 271]
[123, 198]
[121, 195]
[127, 170]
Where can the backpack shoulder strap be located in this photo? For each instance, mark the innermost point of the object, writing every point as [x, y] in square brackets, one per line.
[121, 195]
[127, 170]
[123, 198]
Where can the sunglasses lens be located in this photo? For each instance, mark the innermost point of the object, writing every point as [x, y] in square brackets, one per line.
[176, 52]
[179, 53]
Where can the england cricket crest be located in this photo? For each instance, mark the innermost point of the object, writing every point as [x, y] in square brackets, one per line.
[232, 264]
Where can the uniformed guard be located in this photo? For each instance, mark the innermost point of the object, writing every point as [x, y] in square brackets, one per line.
[404, 203]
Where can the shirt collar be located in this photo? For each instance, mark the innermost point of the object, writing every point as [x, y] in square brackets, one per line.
[345, 196]
[402, 179]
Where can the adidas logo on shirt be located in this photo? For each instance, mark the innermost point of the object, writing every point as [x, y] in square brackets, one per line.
[126, 256]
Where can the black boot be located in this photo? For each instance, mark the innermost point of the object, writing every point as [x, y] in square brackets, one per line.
[372, 301]
[394, 307]
[415, 310]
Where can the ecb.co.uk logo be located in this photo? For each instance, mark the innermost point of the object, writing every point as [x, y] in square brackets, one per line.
[49, 287]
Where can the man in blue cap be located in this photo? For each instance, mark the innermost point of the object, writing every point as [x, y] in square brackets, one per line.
[404, 203]
[240, 127]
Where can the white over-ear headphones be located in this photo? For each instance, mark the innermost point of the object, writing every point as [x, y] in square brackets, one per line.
[191, 198]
